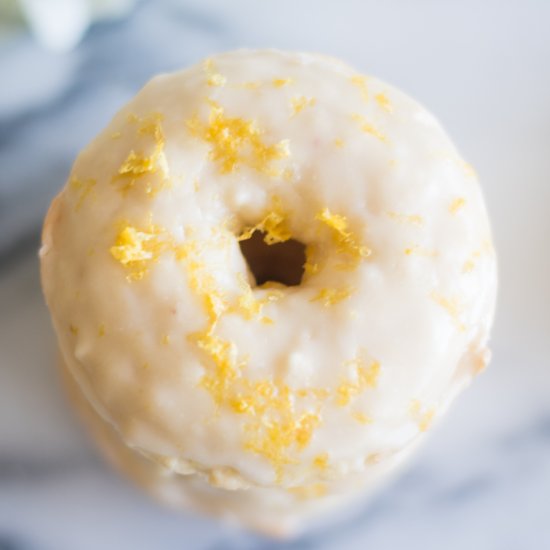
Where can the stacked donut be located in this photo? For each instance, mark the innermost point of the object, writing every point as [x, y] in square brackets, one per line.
[268, 276]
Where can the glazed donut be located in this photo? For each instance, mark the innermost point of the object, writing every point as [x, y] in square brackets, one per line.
[268, 276]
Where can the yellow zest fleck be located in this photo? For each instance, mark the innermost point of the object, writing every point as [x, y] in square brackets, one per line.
[362, 418]
[241, 404]
[182, 251]
[203, 284]
[426, 420]
[339, 143]
[73, 329]
[419, 251]
[213, 78]
[101, 330]
[368, 376]
[369, 128]
[304, 429]
[384, 102]
[142, 168]
[84, 188]
[165, 340]
[136, 249]
[451, 306]
[274, 225]
[321, 461]
[130, 246]
[468, 266]
[317, 393]
[216, 79]
[413, 219]
[421, 415]
[223, 354]
[456, 205]
[249, 306]
[331, 296]
[311, 266]
[299, 103]
[470, 263]
[360, 82]
[116, 135]
[146, 366]
[344, 239]
[274, 438]
[137, 165]
[365, 377]
[344, 393]
[151, 126]
[280, 82]
[469, 169]
[481, 359]
[236, 142]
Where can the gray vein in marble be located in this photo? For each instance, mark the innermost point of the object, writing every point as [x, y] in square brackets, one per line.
[13, 542]
[25, 469]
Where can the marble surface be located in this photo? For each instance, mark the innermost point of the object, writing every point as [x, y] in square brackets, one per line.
[482, 481]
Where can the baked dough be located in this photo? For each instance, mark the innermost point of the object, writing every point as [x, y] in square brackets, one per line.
[268, 276]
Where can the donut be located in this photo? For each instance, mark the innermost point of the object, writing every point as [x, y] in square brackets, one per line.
[268, 276]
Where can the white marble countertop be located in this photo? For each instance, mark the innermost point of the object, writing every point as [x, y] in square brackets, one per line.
[482, 481]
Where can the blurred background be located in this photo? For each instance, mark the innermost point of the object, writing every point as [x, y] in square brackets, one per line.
[482, 481]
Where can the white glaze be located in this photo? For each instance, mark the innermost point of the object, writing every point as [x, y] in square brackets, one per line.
[394, 316]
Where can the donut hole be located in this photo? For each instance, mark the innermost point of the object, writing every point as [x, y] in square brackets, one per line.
[279, 262]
